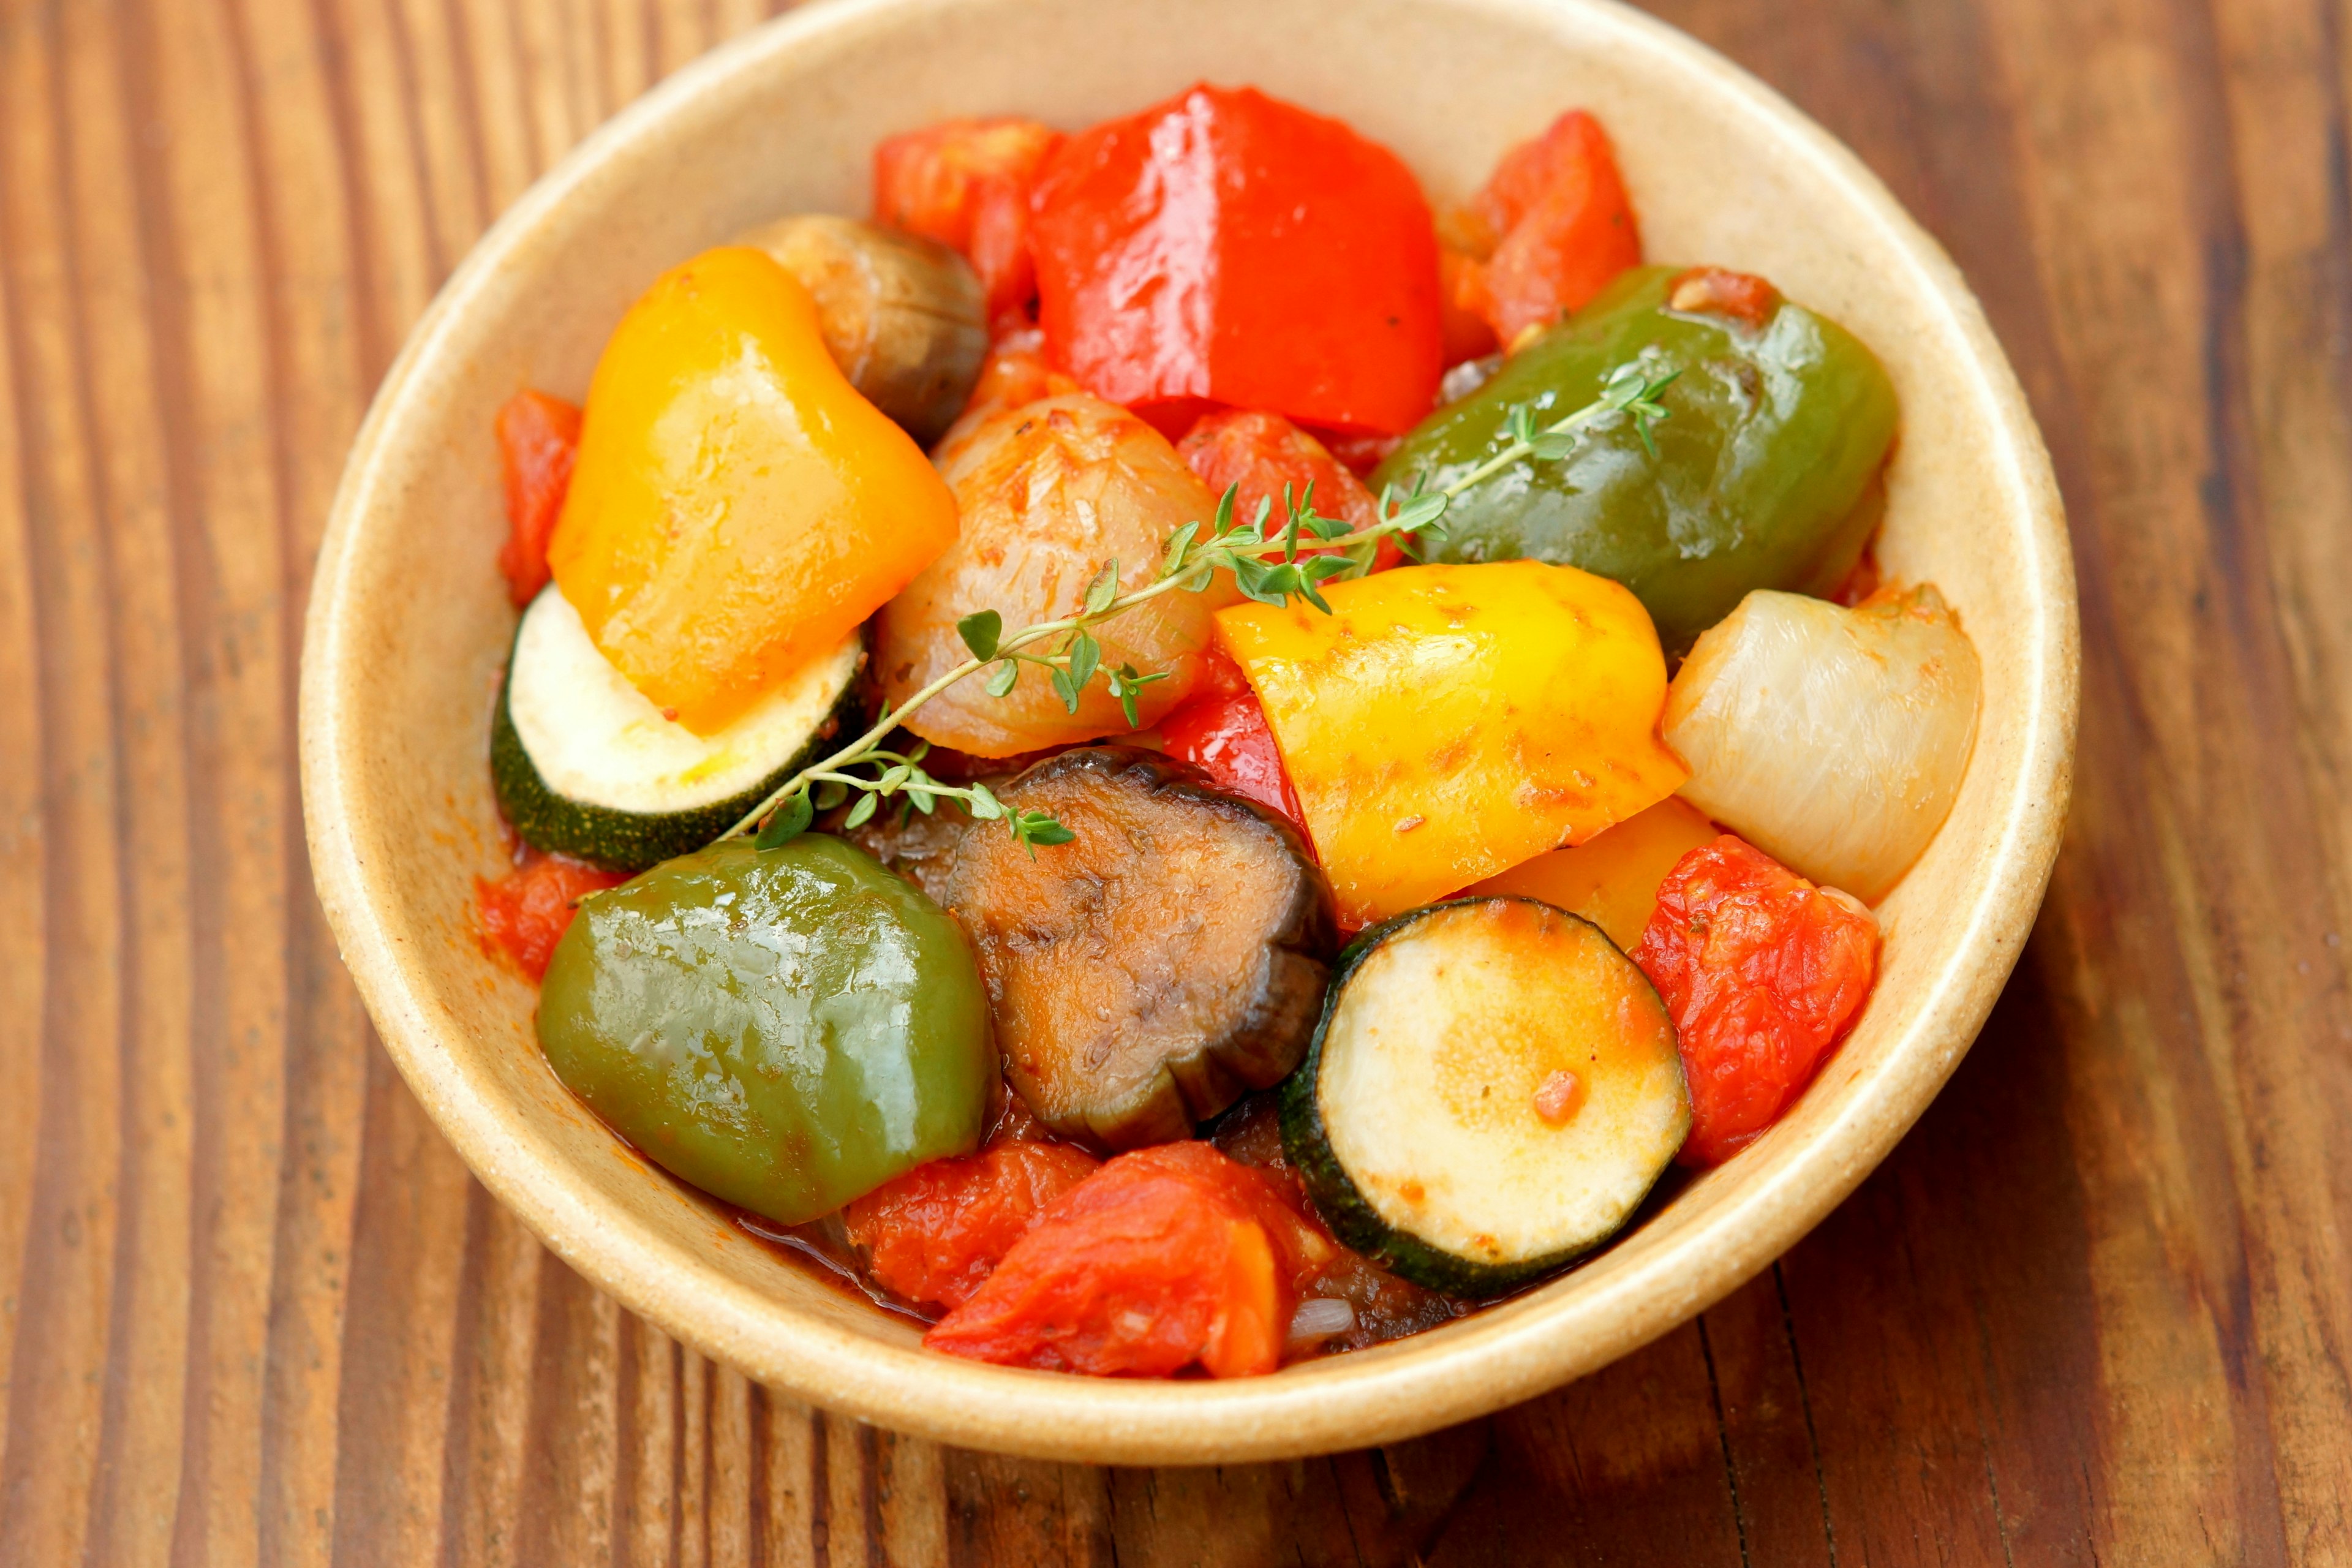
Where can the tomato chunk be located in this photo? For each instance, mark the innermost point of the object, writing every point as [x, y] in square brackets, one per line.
[934, 1234]
[539, 438]
[1230, 247]
[1561, 225]
[1262, 455]
[966, 184]
[525, 912]
[1227, 739]
[1763, 973]
[1165, 1259]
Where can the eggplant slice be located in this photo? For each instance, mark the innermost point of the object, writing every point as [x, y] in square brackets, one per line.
[1168, 959]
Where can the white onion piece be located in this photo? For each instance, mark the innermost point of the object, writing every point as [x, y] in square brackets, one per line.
[1321, 1316]
[1833, 739]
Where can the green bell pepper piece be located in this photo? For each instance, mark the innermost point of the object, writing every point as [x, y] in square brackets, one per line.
[1762, 479]
[786, 1029]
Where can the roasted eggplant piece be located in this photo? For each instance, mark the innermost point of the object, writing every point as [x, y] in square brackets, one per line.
[901, 314]
[1167, 960]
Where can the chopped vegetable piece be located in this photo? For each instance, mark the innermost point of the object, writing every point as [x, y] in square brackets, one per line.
[539, 438]
[1832, 739]
[1462, 304]
[1446, 722]
[901, 314]
[1418, 1120]
[525, 912]
[1711, 291]
[583, 764]
[738, 508]
[1163, 1260]
[966, 184]
[1227, 739]
[1149, 971]
[1230, 247]
[1763, 974]
[1267, 457]
[1051, 494]
[1560, 227]
[1610, 879]
[786, 1029]
[934, 1234]
[1761, 478]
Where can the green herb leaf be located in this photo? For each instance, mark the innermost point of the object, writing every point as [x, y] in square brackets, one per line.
[1103, 589]
[1179, 542]
[788, 822]
[862, 812]
[830, 792]
[1036, 827]
[984, 804]
[923, 799]
[1085, 654]
[1067, 689]
[980, 631]
[892, 777]
[1000, 678]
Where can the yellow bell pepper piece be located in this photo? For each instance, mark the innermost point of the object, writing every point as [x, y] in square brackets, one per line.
[1613, 880]
[1446, 723]
[738, 509]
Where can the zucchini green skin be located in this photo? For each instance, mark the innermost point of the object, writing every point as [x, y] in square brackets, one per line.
[1306, 1146]
[628, 840]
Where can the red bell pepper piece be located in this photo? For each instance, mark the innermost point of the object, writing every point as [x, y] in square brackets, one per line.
[539, 438]
[965, 182]
[1763, 973]
[1227, 739]
[1561, 225]
[934, 1234]
[1264, 453]
[1227, 247]
[1164, 1259]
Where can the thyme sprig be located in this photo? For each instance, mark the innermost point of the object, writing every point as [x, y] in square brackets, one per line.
[1291, 560]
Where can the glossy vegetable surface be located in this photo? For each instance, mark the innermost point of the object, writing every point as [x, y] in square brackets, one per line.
[786, 1029]
[901, 315]
[1763, 973]
[1612, 879]
[1149, 971]
[738, 509]
[1549, 230]
[1225, 247]
[1774, 437]
[1050, 493]
[1227, 739]
[965, 183]
[934, 1234]
[1492, 1091]
[1163, 1260]
[1832, 738]
[1446, 722]
[539, 438]
[525, 913]
[1263, 458]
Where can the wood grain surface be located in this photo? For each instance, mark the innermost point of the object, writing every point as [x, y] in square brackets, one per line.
[2097, 1308]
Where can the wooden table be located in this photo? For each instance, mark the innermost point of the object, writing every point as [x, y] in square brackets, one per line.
[2096, 1307]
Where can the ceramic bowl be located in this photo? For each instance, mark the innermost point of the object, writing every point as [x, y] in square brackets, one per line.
[409, 622]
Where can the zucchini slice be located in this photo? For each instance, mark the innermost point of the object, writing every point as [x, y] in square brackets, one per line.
[1492, 1091]
[585, 765]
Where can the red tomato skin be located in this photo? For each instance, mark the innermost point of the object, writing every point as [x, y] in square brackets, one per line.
[1227, 738]
[1165, 1259]
[1763, 973]
[539, 438]
[524, 914]
[935, 1234]
[1263, 453]
[1562, 227]
[965, 182]
[1228, 247]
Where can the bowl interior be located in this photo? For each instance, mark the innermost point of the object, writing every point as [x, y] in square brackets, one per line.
[409, 625]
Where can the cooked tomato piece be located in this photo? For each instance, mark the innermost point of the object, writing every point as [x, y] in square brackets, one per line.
[1165, 1259]
[1463, 306]
[965, 182]
[539, 438]
[1360, 450]
[1264, 455]
[1763, 973]
[1713, 291]
[1227, 739]
[1228, 247]
[1560, 224]
[934, 1234]
[525, 912]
